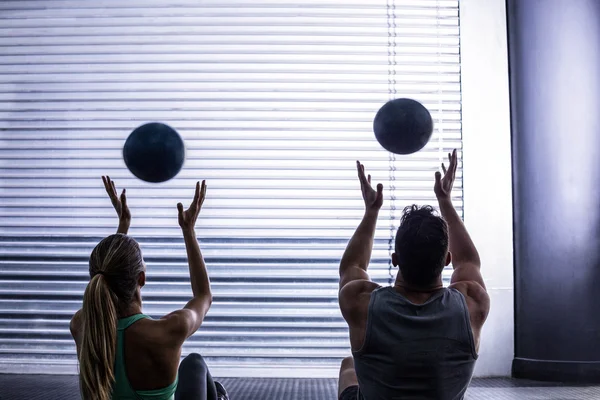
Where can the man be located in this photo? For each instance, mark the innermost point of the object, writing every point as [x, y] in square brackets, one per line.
[415, 339]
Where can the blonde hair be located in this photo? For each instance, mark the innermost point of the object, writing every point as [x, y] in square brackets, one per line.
[115, 265]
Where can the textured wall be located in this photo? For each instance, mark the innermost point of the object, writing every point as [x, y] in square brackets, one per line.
[555, 63]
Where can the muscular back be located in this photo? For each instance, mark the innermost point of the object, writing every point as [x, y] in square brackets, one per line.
[411, 350]
[355, 297]
[152, 350]
[151, 358]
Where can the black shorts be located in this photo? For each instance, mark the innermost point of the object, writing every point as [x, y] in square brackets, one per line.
[351, 393]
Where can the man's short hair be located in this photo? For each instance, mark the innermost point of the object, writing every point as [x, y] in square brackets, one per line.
[421, 245]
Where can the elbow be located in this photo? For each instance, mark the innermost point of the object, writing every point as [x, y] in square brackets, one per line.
[204, 297]
[75, 324]
[475, 259]
[74, 331]
[207, 300]
[343, 267]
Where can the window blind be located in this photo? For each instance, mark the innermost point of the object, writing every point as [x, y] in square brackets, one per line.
[275, 101]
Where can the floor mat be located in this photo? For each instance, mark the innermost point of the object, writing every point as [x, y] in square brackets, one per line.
[64, 387]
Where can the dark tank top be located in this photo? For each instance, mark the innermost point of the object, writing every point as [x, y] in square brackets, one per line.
[416, 351]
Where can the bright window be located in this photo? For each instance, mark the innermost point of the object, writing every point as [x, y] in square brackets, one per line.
[275, 101]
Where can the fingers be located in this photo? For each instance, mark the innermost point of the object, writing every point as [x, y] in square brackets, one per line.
[196, 194]
[202, 193]
[437, 186]
[123, 199]
[379, 197]
[452, 166]
[453, 163]
[180, 209]
[369, 179]
[361, 173]
[107, 185]
[452, 157]
[455, 157]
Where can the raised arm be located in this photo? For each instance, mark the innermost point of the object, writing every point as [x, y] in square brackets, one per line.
[357, 256]
[187, 320]
[465, 258]
[120, 205]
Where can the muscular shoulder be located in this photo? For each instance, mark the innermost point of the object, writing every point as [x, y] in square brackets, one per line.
[477, 298]
[354, 299]
[352, 290]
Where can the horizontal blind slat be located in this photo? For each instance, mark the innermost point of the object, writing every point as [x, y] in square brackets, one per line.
[275, 101]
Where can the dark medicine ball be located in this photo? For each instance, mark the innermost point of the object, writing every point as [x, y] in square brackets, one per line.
[154, 152]
[403, 126]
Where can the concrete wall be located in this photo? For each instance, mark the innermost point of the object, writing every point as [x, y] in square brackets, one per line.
[487, 171]
[555, 96]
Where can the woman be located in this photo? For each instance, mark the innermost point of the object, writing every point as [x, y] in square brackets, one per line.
[124, 354]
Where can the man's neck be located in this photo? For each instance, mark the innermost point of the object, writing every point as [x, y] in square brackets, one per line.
[404, 286]
[417, 294]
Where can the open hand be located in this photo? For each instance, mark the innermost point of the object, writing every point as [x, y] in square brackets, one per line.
[373, 199]
[187, 218]
[443, 185]
[118, 202]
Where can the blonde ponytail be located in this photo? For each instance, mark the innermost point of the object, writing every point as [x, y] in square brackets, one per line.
[99, 340]
[115, 267]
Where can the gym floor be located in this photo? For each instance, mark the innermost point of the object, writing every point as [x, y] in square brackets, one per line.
[51, 387]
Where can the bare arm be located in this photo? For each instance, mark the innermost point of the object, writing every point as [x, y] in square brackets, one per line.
[120, 205]
[198, 273]
[461, 246]
[357, 256]
[199, 305]
[355, 285]
[187, 320]
[465, 257]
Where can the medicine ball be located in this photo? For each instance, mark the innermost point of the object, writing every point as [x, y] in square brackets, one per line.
[403, 126]
[154, 152]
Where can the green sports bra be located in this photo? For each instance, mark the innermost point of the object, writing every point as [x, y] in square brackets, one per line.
[122, 390]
